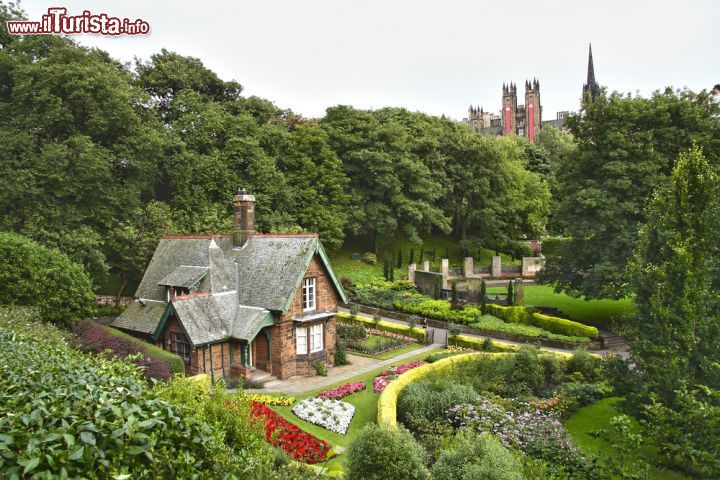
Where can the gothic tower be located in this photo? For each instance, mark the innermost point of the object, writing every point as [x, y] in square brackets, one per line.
[590, 89]
[509, 102]
[533, 109]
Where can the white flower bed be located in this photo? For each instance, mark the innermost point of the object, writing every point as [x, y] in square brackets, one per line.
[331, 414]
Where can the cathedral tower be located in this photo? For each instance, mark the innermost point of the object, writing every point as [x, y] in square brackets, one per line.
[590, 89]
[533, 109]
[509, 102]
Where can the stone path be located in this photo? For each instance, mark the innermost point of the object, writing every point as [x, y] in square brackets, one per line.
[358, 366]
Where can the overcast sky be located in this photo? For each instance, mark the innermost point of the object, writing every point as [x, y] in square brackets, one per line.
[431, 56]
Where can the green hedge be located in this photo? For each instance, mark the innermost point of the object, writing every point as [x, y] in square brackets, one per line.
[419, 334]
[528, 316]
[174, 362]
[441, 310]
[563, 326]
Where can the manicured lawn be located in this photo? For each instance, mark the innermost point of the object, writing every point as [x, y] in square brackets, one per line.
[593, 312]
[365, 403]
[596, 417]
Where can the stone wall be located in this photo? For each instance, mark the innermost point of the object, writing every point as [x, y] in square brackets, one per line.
[532, 265]
[426, 281]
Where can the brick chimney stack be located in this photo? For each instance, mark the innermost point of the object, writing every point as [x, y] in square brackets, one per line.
[244, 211]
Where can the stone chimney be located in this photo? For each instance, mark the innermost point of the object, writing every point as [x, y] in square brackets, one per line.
[244, 211]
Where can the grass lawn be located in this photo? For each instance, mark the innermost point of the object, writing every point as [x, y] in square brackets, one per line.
[370, 342]
[597, 416]
[365, 403]
[593, 312]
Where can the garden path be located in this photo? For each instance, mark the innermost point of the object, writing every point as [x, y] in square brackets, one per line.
[358, 366]
[441, 335]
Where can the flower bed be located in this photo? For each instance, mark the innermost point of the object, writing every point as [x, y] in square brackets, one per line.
[298, 444]
[333, 415]
[385, 377]
[373, 331]
[342, 391]
[374, 346]
[280, 400]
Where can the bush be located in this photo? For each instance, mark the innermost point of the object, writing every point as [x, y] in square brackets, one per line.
[586, 364]
[378, 454]
[563, 326]
[351, 331]
[477, 456]
[424, 403]
[511, 314]
[617, 371]
[418, 334]
[320, 368]
[82, 416]
[156, 362]
[553, 368]
[341, 353]
[33, 275]
[369, 258]
[528, 373]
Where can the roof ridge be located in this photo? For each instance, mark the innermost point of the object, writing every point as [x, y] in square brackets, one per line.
[199, 236]
[290, 235]
[192, 295]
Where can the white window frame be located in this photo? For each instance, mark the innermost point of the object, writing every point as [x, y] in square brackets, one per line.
[301, 340]
[309, 294]
[316, 338]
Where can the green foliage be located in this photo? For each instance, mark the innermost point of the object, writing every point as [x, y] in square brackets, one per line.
[341, 353]
[528, 371]
[585, 363]
[626, 148]
[379, 454]
[320, 368]
[510, 296]
[81, 416]
[31, 274]
[477, 456]
[369, 258]
[511, 314]
[563, 326]
[423, 404]
[483, 297]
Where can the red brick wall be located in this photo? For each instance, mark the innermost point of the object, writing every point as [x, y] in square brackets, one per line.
[285, 362]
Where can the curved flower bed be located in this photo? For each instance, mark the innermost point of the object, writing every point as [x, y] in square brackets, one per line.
[333, 415]
[298, 444]
[281, 400]
[342, 391]
[382, 380]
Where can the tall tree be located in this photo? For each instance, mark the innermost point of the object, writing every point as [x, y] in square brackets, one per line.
[626, 148]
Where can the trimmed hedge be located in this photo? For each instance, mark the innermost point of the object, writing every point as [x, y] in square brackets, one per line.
[563, 326]
[419, 334]
[475, 343]
[528, 316]
[158, 363]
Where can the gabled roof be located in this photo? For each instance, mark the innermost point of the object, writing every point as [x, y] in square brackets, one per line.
[184, 276]
[141, 316]
[211, 318]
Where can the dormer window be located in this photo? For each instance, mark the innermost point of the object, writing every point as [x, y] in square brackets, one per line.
[308, 295]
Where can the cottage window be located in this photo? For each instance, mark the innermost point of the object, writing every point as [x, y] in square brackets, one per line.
[308, 294]
[316, 338]
[301, 340]
[180, 345]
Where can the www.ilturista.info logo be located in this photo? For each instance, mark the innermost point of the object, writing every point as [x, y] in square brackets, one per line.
[58, 22]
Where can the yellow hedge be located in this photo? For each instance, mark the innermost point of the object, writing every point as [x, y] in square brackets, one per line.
[417, 333]
[203, 380]
[475, 343]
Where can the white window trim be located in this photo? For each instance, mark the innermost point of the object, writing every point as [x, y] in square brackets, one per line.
[316, 338]
[301, 340]
[309, 294]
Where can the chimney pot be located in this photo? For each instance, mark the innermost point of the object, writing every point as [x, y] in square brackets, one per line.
[244, 213]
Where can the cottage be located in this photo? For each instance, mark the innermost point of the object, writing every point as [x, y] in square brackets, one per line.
[231, 304]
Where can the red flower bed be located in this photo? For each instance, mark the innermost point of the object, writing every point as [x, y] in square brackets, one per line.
[281, 433]
[342, 391]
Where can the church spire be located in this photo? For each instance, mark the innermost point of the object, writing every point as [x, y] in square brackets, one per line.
[591, 88]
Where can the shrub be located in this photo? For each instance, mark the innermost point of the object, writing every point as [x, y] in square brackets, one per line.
[341, 353]
[477, 456]
[511, 314]
[156, 362]
[351, 331]
[424, 403]
[33, 275]
[616, 370]
[586, 364]
[82, 416]
[320, 368]
[553, 368]
[369, 258]
[378, 454]
[527, 370]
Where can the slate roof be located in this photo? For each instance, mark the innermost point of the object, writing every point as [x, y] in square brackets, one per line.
[141, 318]
[184, 276]
[210, 318]
[244, 285]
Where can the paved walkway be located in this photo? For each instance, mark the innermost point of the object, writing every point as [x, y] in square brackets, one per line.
[358, 366]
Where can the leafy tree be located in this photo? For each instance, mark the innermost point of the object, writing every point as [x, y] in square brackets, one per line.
[626, 148]
[31, 274]
[675, 337]
[378, 454]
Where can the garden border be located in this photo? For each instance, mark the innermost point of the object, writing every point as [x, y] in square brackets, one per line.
[435, 323]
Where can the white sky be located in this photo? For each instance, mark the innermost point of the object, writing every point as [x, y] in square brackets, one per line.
[436, 57]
